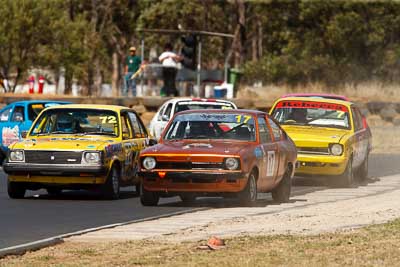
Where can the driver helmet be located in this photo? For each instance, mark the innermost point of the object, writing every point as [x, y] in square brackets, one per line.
[65, 123]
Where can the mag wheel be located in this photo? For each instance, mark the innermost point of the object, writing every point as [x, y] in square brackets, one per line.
[112, 187]
[249, 194]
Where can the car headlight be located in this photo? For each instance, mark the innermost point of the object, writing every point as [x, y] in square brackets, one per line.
[336, 149]
[92, 157]
[149, 163]
[17, 155]
[232, 163]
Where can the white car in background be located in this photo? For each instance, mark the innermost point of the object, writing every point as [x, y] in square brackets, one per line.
[172, 106]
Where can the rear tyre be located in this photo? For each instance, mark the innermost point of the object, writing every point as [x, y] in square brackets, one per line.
[188, 198]
[15, 190]
[148, 198]
[111, 188]
[347, 178]
[362, 172]
[249, 194]
[281, 193]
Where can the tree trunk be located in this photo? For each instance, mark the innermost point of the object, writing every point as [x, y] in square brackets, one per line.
[240, 34]
[115, 74]
[260, 38]
[254, 48]
[98, 77]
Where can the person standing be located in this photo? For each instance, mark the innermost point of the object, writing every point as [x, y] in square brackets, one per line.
[132, 65]
[169, 61]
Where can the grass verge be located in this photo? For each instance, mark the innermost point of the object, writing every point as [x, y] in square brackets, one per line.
[377, 245]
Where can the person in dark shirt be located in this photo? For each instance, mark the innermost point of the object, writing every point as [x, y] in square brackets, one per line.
[132, 65]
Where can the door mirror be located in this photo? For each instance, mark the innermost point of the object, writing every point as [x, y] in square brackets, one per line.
[125, 136]
[18, 117]
[23, 134]
[151, 142]
[164, 118]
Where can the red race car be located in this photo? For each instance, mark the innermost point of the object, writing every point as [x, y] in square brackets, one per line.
[219, 153]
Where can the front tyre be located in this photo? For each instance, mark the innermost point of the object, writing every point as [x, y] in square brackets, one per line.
[111, 188]
[362, 172]
[188, 198]
[281, 193]
[15, 190]
[54, 191]
[347, 178]
[249, 194]
[148, 198]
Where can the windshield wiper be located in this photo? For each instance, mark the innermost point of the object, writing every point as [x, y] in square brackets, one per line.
[58, 132]
[97, 133]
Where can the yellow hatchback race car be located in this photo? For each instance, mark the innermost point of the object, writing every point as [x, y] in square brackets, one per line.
[331, 136]
[78, 147]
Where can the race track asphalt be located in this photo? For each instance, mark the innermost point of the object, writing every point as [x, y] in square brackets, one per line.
[40, 216]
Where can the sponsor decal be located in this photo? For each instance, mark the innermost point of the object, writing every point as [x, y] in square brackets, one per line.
[197, 145]
[91, 146]
[311, 104]
[258, 152]
[10, 135]
[112, 149]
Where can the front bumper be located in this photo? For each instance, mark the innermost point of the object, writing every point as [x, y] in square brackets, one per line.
[188, 181]
[320, 164]
[57, 180]
[23, 169]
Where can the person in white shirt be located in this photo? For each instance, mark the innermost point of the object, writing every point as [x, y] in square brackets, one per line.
[169, 61]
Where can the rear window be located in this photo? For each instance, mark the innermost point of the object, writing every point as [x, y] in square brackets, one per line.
[35, 108]
[212, 126]
[192, 105]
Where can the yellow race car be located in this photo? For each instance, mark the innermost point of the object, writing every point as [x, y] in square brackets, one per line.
[78, 147]
[331, 136]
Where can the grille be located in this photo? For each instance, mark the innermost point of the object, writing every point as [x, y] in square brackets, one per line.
[53, 157]
[313, 150]
[190, 165]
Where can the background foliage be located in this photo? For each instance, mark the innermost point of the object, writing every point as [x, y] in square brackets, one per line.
[280, 42]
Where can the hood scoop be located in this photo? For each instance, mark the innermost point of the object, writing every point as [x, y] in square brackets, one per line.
[197, 145]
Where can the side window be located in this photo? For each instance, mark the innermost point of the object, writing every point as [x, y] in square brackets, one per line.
[18, 114]
[5, 114]
[159, 118]
[265, 135]
[276, 131]
[126, 127]
[168, 110]
[138, 128]
[357, 119]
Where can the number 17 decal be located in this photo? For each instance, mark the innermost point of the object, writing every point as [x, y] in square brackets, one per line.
[270, 163]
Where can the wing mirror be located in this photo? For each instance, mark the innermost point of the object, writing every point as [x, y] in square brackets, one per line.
[24, 134]
[164, 118]
[151, 142]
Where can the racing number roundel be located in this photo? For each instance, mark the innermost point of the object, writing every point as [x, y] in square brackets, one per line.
[270, 163]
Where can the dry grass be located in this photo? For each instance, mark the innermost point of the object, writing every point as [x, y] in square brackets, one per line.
[371, 91]
[377, 245]
[385, 136]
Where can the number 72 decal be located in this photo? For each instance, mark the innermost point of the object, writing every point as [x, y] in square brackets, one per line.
[270, 163]
[108, 119]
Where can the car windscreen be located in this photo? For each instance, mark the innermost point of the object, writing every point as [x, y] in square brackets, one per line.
[76, 121]
[193, 105]
[232, 126]
[312, 113]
